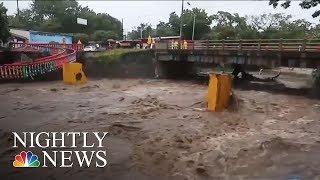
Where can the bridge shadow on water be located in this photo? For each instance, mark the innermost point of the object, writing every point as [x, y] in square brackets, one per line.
[274, 88]
[269, 86]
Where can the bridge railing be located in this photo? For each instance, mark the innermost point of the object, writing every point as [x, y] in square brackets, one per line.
[77, 47]
[281, 45]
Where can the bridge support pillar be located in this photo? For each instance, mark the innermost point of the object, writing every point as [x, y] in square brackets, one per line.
[221, 60]
[219, 92]
[73, 74]
[174, 69]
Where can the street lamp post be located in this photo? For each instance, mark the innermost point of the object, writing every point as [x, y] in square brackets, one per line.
[141, 29]
[181, 20]
[140, 33]
[194, 24]
[18, 8]
[122, 30]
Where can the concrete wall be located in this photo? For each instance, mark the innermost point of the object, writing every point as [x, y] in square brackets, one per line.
[130, 64]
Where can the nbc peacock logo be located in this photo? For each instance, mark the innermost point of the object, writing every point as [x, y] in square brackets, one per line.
[26, 159]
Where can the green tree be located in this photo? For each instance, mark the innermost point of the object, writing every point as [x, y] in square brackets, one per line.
[231, 26]
[275, 26]
[314, 32]
[54, 9]
[52, 25]
[146, 31]
[61, 16]
[202, 23]
[4, 30]
[101, 35]
[174, 21]
[269, 21]
[84, 38]
[297, 29]
[25, 20]
[164, 29]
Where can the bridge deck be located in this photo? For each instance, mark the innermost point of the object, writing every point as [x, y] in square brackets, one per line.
[267, 52]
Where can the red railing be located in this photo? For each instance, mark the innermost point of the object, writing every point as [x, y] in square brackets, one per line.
[60, 54]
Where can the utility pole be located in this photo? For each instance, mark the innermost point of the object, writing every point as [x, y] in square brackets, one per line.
[194, 24]
[141, 29]
[181, 20]
[18, 8]
[122, 29]
[194, 20]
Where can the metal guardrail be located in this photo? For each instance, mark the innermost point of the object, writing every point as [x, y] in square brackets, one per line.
[60, 54]
[279, 45]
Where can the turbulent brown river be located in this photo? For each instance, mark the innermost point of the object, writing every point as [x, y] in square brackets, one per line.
[159, 129]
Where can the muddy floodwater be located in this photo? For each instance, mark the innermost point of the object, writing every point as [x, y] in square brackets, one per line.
[159, 129]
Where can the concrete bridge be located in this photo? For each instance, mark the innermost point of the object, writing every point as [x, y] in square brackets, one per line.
[265, 53]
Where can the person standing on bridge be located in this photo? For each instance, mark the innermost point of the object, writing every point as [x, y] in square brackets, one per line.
[185, 44]
[149, 42]
[176, 44]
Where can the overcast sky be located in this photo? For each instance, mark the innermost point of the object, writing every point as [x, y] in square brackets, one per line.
[135, 12]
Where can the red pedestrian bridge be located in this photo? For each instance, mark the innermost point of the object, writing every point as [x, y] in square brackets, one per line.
[58, 55]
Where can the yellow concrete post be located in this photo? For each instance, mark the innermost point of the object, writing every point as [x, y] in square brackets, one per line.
[219, 92]
[73, 74]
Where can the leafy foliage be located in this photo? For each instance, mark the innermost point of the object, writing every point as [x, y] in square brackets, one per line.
[113, 56]
[202, 23]
[224, 25]
[172, 28]
[231, 26]
[164, 29]
[4, 30]
[101, 35]
[305, 4]
[84, 38]
[143, 29]
[61, 16]
[274, 26]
